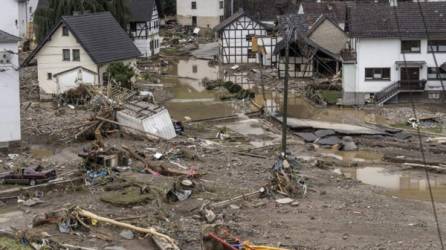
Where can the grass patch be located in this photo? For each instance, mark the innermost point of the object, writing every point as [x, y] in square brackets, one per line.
[11, 244]
[403, 125]
[331, 96]
[170, 50]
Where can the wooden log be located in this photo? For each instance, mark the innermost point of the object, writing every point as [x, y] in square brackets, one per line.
[142, 159]
[147, 231]
[250, 154]
[234, 199]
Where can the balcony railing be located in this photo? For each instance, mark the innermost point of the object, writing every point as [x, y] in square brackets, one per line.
[412, 85]
[400, 86]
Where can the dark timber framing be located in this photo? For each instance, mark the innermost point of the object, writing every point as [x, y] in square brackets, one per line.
[236, 40]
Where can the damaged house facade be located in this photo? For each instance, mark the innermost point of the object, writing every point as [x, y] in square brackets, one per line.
[144, 26]
[319, 40]
[243, 39]
[385, 65]
[79, 50]
[200, 13]
[9, 89]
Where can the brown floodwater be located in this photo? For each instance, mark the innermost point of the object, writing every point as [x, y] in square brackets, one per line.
[402, 184]
[184, 81]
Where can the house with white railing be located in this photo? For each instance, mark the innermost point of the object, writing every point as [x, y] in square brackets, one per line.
[395, 54]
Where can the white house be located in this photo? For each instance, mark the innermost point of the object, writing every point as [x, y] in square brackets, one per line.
[9, 89]
[144, 26]
[390, 64]
[243, 39]
[78, 50]
[201, 13]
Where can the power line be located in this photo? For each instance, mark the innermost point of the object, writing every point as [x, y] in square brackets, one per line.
[420, 140]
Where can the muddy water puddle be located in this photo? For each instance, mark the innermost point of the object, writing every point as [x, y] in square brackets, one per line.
[191, 98]
[252, 129]
[401, 184]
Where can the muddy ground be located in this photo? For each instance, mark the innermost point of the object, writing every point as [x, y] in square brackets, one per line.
[340, 211]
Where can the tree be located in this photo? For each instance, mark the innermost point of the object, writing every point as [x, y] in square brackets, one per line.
[168, 7]
[121, 11]
[121, 73]
[46, 18]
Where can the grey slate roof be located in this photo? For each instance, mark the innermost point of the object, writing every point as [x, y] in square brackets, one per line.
[234, 18]
[141, 10]
[379, 21]
[335, 10]
[264, 10]
[8, 38]
[99, 34]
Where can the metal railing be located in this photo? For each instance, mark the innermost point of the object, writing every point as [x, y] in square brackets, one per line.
[387, 92]
[414, 85]
[396, 87]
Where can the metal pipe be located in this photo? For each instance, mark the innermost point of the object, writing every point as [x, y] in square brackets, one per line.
[285, 96]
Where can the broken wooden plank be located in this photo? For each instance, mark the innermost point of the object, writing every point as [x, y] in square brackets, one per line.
[147, 231]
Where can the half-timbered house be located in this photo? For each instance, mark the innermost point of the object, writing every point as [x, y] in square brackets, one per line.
[243, 39]
[315, 49]
[144, 26]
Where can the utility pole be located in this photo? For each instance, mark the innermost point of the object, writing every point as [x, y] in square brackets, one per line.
[285, 94]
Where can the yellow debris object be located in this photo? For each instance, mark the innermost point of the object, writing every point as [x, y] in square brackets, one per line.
[255, 47]
[249, 246]
[94, 222]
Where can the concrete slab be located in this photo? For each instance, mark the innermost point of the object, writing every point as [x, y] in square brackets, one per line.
[341, 128]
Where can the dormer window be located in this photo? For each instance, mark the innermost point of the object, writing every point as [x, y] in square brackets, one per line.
[65, 31]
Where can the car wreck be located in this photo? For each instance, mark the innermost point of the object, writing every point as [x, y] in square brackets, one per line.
[29, 176]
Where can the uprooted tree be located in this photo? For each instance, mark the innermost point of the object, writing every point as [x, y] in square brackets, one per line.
[121, 73]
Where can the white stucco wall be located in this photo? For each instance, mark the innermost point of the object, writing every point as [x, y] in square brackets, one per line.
[9, 97]
[9, 16]
[69, 80]
[208, 12]
[383, 53]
